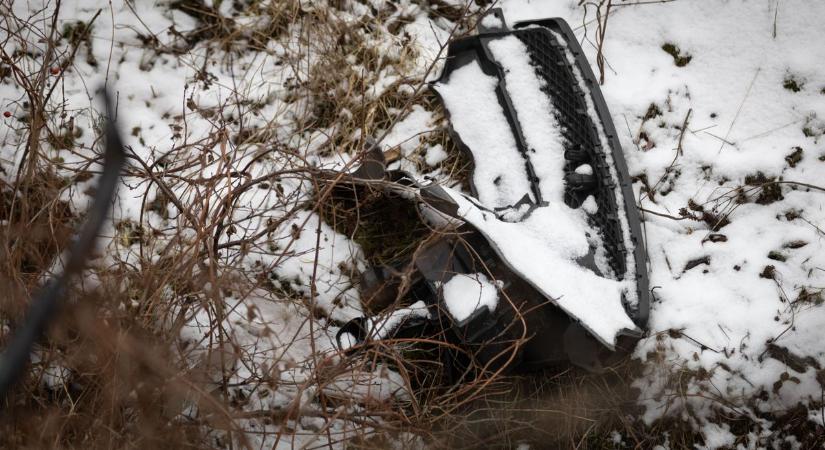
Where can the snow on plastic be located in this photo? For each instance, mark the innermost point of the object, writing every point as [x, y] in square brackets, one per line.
[543, 248]
[464, 294]
[499, 174]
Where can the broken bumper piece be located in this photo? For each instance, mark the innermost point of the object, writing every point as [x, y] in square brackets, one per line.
[548, 247]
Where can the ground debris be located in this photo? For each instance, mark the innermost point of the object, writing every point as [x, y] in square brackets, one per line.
[679, 58]
[769, 191]
[697, 262]
[793, 158]
[798, 363]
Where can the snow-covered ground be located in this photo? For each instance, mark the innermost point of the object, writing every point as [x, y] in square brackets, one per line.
[712, 99]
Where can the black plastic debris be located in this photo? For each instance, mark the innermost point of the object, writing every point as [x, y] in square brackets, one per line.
[552, 336]
[582, 143]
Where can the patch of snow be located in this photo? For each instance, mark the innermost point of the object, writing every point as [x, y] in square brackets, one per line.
[491, 21]
[298, 248]
[428, 37]
[54, 375]
[717, 436]
[408, 133]
[464, 294]
[590, 206]
[374, 387]
[435, 155]
[383, 82]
